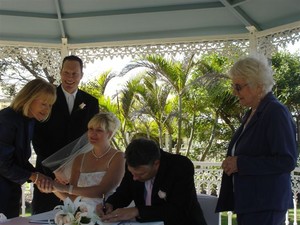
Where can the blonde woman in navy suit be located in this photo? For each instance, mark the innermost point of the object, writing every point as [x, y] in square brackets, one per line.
[256, 182]
[33, 103]
[64, 125]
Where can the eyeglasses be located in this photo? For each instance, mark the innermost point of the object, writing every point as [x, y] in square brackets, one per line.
[238, 87]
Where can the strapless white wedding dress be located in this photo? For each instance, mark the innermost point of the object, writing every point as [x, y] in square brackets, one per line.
[92, 179]
[88, 180]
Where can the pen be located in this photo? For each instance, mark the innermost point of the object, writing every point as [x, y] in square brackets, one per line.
[103, 203]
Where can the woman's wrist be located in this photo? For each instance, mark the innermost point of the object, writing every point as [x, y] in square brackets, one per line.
[63, 188]
[70, 189]
[34, 177]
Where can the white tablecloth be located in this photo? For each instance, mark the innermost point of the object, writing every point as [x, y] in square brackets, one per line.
[41, 219]
[208, 204]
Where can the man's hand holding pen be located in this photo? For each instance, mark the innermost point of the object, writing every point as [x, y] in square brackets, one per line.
[120, 214]
[107, 213]
[104, 208]
[103, 204]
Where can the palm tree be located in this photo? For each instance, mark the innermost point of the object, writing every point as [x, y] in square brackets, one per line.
[212, 88]
[177, 74]
[98, 86]
[154, 102]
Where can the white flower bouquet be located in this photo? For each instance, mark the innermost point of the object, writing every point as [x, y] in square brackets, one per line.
[76, 213]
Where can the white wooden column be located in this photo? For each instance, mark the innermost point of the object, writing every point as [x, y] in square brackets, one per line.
[64, 48]
[252, 39]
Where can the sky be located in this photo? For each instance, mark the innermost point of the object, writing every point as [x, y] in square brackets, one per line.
[92, 70]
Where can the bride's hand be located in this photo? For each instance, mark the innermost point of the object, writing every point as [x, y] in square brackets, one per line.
[61, 180]
[57, 186]
[44, 183]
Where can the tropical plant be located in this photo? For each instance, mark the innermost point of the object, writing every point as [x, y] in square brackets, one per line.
[175, 73]
[287, 88]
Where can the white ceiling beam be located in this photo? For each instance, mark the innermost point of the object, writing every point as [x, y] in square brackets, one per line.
[59, 18]
[241, 15]
[128, 11]
[64, 48]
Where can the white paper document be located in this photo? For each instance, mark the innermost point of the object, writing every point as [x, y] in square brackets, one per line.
[43, 218]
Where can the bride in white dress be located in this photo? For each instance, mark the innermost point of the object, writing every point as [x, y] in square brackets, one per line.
[96, 172]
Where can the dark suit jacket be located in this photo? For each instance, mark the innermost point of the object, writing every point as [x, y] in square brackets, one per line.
[267, 153]
[15, 169]
[175, 177]
[63, 128]
[15, 137]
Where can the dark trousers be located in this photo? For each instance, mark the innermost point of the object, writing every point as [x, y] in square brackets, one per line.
[43, 202]
[10, 198]
[262, 218]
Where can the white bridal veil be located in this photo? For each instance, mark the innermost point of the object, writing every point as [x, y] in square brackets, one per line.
[61, 161]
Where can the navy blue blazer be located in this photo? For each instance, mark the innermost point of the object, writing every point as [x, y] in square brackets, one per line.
[15, 137]
[175, 177]
[62, 127]
[267, 153]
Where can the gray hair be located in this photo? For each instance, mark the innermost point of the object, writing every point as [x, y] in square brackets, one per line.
[256, 70]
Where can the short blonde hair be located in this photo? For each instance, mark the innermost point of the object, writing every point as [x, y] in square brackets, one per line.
[106, 120]
[31, 91]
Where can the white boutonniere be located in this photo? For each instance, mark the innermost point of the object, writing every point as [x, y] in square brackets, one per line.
[82, 105]
[162, 194]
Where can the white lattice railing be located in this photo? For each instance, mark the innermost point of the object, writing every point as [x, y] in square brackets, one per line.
[207, 180]
[266, 42]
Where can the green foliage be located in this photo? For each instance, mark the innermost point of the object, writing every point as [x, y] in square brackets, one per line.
[287, 76]
[97, 86]
[186, 100]
[193, 90]
[210, 98]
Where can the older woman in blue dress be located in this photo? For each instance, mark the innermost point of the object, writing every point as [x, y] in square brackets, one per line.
[256, 182]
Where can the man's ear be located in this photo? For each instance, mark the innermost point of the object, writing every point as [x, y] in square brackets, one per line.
[156, 162]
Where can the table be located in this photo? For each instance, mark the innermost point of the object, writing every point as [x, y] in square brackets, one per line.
[208, 204]
[36, 220]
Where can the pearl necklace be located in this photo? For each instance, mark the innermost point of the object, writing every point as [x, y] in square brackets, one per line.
[101, 156]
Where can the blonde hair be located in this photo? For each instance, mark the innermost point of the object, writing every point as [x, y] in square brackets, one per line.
[106, 120]
[31, 91]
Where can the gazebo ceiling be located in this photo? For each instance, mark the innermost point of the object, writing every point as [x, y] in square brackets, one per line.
[116, 22]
